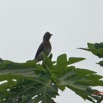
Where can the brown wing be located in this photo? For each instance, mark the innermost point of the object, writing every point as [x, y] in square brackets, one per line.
[40, 49]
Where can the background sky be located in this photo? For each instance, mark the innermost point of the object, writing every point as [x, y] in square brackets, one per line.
[73, 23]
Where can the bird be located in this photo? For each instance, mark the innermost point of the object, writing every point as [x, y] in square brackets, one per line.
[44, 48]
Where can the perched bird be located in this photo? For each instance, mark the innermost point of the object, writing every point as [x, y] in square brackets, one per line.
[44, 48]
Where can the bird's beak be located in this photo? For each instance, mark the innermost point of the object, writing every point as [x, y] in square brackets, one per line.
[51, 34]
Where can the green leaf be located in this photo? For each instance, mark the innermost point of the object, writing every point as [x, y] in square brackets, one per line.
[96, 49]
[31, 83]
[25, 69]
[73, 60]
[61, 63]
[47, 61]
[84, 49]
[79, 80]
[84, 72]
[100, 63]
[40, 89]
[62, 60]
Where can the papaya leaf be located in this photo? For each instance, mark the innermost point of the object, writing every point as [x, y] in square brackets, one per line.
[40, 89]
[33, 83]
[96, 49]
[26, 69]
[73, 60]
[100, 63]
[61, 63]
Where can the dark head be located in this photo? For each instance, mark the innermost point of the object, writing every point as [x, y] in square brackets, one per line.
[47, 36]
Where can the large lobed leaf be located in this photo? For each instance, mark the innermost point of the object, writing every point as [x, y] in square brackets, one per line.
[96, 49]
[77, 79]
[33, 91]
[33, 83]
[25, 69]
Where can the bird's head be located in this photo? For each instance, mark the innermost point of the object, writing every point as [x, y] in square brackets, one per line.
[47, 36]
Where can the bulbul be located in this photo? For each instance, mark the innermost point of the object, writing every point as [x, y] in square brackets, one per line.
[44, 48]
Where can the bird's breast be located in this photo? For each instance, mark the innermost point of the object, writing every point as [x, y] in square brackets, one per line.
[47, 48]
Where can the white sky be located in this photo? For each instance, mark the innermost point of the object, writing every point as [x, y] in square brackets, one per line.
[73, 23]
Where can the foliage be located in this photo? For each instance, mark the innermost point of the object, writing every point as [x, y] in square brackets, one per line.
[32, 82]
[96, 49]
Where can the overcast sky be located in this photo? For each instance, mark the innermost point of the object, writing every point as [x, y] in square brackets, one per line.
[73, 23]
